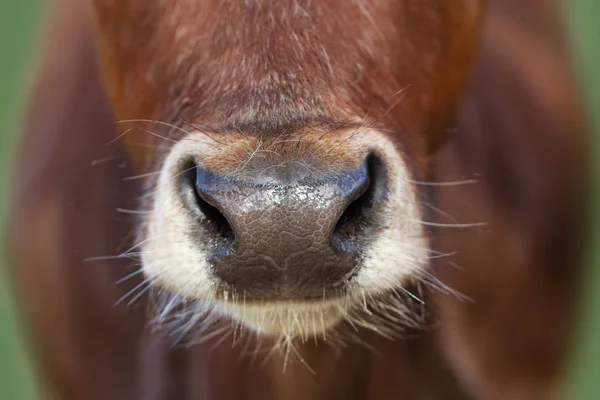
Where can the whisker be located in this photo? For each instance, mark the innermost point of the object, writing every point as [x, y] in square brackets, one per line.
[105, 258]
[411, 295]
[126, 254]
[129, 276]
[441, 212]
[456, 266]
[443, 225]
[451, 183]
[202, 131]
[147, 281]
[442, 255]
[157, 135]
[153, 122]
[208, 337]
[102, 160]
[219, 342]
[141, 176]
[121, 135]
[135, 212]
[140, 294]
[436, 283]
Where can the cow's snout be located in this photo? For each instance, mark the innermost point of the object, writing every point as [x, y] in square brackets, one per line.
[270, 230]
[286, 231]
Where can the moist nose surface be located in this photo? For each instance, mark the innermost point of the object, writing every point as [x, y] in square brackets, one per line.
[282, 244]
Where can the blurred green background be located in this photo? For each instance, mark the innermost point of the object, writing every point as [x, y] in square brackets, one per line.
[585, 33]
[21, 20]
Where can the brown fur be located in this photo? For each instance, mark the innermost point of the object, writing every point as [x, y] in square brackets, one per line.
[519, 135]
[306, 62]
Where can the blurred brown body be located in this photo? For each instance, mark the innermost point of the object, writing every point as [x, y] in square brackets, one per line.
[519, 134]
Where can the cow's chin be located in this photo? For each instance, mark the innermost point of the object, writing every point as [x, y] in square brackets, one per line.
[289, 318]
[176, 254]
[388, 314]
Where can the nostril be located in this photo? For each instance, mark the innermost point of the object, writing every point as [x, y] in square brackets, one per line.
[362, 212]
[356, 209]
[199, 199]
[215, 220]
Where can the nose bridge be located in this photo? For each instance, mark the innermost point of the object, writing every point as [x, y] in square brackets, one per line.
[275, 219]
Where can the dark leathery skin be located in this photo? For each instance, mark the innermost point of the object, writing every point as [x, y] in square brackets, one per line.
[283, 243]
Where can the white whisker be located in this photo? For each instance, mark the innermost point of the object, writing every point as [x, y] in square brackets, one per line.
[442, 225]
[451, 183]
[141, 176]
[129, 276]
[134, 212]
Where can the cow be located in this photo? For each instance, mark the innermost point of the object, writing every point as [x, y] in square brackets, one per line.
[301, 199]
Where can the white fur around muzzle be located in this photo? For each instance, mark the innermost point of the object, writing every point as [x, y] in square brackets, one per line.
[177, 262]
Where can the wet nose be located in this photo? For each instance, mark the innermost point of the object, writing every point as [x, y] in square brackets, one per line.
[291, 235]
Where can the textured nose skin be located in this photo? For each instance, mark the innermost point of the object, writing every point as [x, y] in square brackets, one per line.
[284, 245]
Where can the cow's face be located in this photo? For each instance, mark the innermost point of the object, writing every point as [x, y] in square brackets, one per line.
[284, 191]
